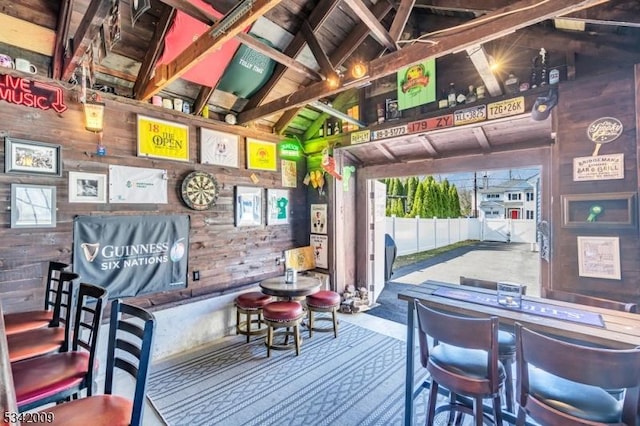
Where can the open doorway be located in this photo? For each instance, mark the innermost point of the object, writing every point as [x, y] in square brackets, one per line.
[493, 213]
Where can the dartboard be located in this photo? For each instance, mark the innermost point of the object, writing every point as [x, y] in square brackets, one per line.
[199, 190]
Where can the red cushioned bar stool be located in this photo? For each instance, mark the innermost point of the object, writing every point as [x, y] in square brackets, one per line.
[249, 304]
[283, 314]
[323, 301]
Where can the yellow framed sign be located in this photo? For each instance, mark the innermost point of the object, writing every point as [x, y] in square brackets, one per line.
[261, 155]
[162, 139]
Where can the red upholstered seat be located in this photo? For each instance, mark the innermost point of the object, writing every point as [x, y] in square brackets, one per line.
[35, 342]
[91, 411]
[29, 320]
[323, 299]
[282, 311]
[41, 377]
[252, 300]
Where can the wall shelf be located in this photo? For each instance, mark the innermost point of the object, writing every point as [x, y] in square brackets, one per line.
[599, 210]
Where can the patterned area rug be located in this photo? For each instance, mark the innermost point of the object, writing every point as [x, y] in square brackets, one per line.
[356, 379]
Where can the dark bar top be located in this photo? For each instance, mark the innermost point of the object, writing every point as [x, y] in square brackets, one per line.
[621, 329]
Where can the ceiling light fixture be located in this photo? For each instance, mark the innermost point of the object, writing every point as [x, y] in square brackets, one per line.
[94, 116]
[333, 80]
[359, 70]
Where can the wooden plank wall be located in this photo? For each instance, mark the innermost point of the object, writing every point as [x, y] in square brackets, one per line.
[581, 102]
[227, 257]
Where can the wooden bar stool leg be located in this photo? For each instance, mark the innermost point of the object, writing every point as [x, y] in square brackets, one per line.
[310, 323]
[296, 331]
[335, 322]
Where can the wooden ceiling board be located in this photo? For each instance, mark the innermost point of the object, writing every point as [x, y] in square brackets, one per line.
[43, 13]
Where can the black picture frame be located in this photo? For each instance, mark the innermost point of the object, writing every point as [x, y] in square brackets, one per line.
[392, 110]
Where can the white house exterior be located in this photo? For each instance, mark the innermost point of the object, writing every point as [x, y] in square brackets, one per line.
[513, 199]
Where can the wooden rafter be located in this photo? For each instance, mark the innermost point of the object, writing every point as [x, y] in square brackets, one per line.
[213, 39]
[491, 26]
[317, 17]
[153, 52]
[383, 149]
[88, 29]
[203, 97]
[316, 49]
[428, 146]
[62, 33]
[338, 57]
[482, 139]
[401, 18]
[378, 32]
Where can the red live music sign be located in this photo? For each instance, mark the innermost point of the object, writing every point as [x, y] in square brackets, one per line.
[31, 94]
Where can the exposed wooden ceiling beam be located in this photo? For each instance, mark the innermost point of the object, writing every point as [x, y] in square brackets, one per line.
[428, 146]
[482, 139]
[317, 17]
[316, 49]
[14, 32]
[203, 97]
[154, 50]
[62, 34]
[378, 32]
[338, 57]
[383, 149]
[401, 18]
[233, 23]
[492, 26]
[206, 18]
[481, 62]
[87, 31]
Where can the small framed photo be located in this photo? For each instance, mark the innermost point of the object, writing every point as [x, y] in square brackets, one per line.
[87, 187]
[392, 111]
[33, 206]
[261, 155]
[277, 206]
[24, 156]
[599, 257]
[248, 205]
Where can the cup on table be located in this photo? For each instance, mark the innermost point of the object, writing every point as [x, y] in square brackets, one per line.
[6, 61]
[25, 66]
[177, 104]
[156, 100]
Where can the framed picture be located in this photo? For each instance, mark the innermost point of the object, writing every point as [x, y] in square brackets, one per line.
[319, 218]
[601, 210]
[33, 206]
[277, 206]
[248, 206]
[87, 187]
[261, 155]
[162, 139]
[218, 148]
[599, 257]
[23, 156]
[320, 249]
[392, 111]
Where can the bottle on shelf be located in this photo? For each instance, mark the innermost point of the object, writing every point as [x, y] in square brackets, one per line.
[321, 131]
[329, 129]
[442, 102]
[336, 127]
[451, 96]
[511, 84]
[543, 69]
[480, 92]
[471, 95]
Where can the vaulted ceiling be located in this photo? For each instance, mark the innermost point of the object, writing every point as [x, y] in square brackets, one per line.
[309, 40]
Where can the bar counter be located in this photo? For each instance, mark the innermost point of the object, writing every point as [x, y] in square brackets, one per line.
[621, 330]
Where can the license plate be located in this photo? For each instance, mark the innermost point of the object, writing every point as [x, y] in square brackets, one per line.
[506, 108]
[390, 132]
[470, 115]
[431, 123]
[360, 137]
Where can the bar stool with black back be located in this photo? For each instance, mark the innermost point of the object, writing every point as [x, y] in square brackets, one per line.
[17, 322]
[40, 341]
[323, 301]
[565, 384]
[129, 349]
[249, 304]
[463, 359]
[287, 315]
[506, 342]
[583, 299]
[56, 377]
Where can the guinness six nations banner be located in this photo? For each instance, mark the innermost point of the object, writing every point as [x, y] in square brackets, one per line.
[131, 255]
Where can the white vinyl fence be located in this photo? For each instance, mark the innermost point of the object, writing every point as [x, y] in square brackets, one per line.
[413, 235]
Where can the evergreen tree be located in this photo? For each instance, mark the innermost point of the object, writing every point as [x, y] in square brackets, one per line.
[416, 208]
[454, 202]
[430, 197]
[445, 199]
[412, 184]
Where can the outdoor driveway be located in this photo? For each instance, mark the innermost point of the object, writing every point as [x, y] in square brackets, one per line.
[487, 260]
